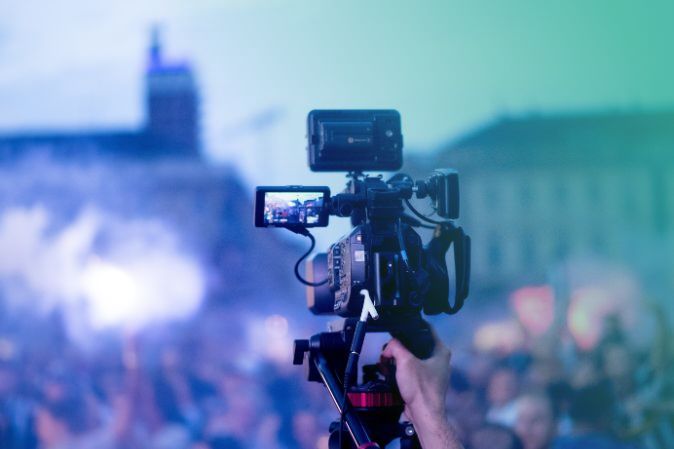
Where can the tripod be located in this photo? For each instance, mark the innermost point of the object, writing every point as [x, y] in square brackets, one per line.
[370, 411]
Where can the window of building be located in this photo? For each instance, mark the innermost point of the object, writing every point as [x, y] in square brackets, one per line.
[562, 245]
[561, 192]
[494, 254]
[528, 248]
[526, 193]
[598, 242]
[630, 202]
[594, 193]
[491, 195]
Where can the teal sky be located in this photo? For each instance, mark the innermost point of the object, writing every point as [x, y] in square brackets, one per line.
[446, 65]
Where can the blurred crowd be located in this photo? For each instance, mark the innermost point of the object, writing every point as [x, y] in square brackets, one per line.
[612, 396]
[187, 395]
[178, 387]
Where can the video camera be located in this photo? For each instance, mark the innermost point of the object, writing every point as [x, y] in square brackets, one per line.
[380, 269]
[383, 253]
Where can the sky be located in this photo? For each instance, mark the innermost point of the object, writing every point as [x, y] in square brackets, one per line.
[447, 66]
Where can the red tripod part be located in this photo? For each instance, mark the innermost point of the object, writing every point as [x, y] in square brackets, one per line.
[374, 399]
[369, 446]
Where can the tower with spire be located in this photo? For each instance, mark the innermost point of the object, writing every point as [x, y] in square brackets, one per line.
[171, 103]
[170, 130]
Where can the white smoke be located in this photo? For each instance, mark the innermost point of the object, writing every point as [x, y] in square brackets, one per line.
[102, 271]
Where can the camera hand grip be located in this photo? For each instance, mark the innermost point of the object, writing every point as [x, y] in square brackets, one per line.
[417, 338]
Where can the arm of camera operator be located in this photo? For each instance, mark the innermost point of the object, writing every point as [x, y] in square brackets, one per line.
[423, 386]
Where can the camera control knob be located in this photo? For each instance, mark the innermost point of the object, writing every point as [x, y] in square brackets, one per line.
[345, 210]
[301, 347]
[421, 189]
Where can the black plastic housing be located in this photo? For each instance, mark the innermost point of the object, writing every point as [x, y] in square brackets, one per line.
[320, 299]
[354, 140]
[445, 193]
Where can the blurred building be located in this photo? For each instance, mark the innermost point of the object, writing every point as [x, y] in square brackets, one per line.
[171, 125]
[537, 189]
[154, 173]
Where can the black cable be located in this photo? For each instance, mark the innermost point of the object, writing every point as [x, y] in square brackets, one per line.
[399, 175]
[299, 277]
[410, 220]
[403, 249]
[422, 216]
[405, 176]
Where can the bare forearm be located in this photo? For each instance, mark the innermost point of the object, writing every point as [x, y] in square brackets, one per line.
[436, 433]
[423, 386]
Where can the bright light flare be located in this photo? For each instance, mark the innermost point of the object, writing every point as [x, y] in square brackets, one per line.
[276, 326]
[142, 278]
[535, 308]
[588, 309]
[269, 339]
[155, 288]
[500, 337]
[112, 294]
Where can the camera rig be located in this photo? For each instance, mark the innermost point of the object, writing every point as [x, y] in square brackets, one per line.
[385, 255]
[379, 277]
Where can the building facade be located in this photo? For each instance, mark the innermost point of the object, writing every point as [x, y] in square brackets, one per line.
[153, 174]
[538, 190]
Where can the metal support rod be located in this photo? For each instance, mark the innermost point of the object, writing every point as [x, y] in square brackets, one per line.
[353, 424]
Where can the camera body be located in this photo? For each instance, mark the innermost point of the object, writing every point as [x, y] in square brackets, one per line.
[347, 270]
[385, 255]
[362, 259]
[382, 253]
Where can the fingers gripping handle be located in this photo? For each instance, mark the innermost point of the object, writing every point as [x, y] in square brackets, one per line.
[418, 338]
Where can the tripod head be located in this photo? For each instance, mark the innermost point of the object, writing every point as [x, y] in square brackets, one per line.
[371, 410]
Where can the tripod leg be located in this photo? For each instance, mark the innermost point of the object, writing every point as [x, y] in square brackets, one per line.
[338, 435]
[356, 430]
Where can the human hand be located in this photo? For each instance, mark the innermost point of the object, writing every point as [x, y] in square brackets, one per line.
[423, 386]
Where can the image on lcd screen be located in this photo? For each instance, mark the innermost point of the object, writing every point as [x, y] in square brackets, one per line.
[290, 208]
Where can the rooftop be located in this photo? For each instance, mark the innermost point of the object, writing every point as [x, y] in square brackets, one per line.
[581, 138]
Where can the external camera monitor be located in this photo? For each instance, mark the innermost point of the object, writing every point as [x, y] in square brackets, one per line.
[291, 206]
[354, 140]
